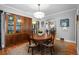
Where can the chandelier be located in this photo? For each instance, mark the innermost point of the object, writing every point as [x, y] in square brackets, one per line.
[39, 14]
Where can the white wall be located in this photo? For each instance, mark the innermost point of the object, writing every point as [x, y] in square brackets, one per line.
[78, 30]
[78, 35]
[68, 34]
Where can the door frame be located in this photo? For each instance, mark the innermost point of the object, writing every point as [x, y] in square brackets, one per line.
[77, 34]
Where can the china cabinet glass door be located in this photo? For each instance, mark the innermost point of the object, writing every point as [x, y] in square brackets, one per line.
[18, 24]
[10, 24]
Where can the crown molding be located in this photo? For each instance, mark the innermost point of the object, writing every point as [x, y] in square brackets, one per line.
[65, 11]
[69, 10]
[10, 9]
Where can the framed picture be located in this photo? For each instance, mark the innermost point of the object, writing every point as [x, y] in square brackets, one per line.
[64, 22]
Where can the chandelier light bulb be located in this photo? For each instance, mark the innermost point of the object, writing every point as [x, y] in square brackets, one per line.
[39, 14]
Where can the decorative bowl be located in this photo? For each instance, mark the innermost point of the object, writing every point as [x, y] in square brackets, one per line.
[40, 32]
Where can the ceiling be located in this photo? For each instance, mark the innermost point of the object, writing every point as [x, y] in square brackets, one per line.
[48, 9]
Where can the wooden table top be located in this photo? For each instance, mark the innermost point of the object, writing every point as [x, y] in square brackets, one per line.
[40, 38]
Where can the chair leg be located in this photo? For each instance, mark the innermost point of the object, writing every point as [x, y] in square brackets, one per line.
[42, 50]
[51, 51]
[32, 51]
[28, 50]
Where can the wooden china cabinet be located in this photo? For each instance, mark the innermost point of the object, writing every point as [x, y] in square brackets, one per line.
[17, 28]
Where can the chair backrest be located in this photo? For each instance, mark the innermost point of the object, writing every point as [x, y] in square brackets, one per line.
[31, 39]
[48, 41]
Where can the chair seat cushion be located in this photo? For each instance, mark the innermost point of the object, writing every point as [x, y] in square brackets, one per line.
[48, 45]
[32, 45]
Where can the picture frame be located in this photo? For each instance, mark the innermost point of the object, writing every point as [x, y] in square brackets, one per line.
[64, 22]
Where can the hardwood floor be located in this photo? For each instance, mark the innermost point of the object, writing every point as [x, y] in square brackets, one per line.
[61, 48]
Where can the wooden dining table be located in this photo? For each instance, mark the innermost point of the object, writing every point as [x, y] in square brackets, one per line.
[41, 37]
[39, 40]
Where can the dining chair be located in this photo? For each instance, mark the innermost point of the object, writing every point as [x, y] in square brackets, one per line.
[31, 45]
[49, 43]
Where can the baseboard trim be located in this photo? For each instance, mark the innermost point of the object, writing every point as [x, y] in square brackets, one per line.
[67, 40]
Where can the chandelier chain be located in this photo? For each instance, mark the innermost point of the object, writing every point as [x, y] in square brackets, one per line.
[39, 7]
